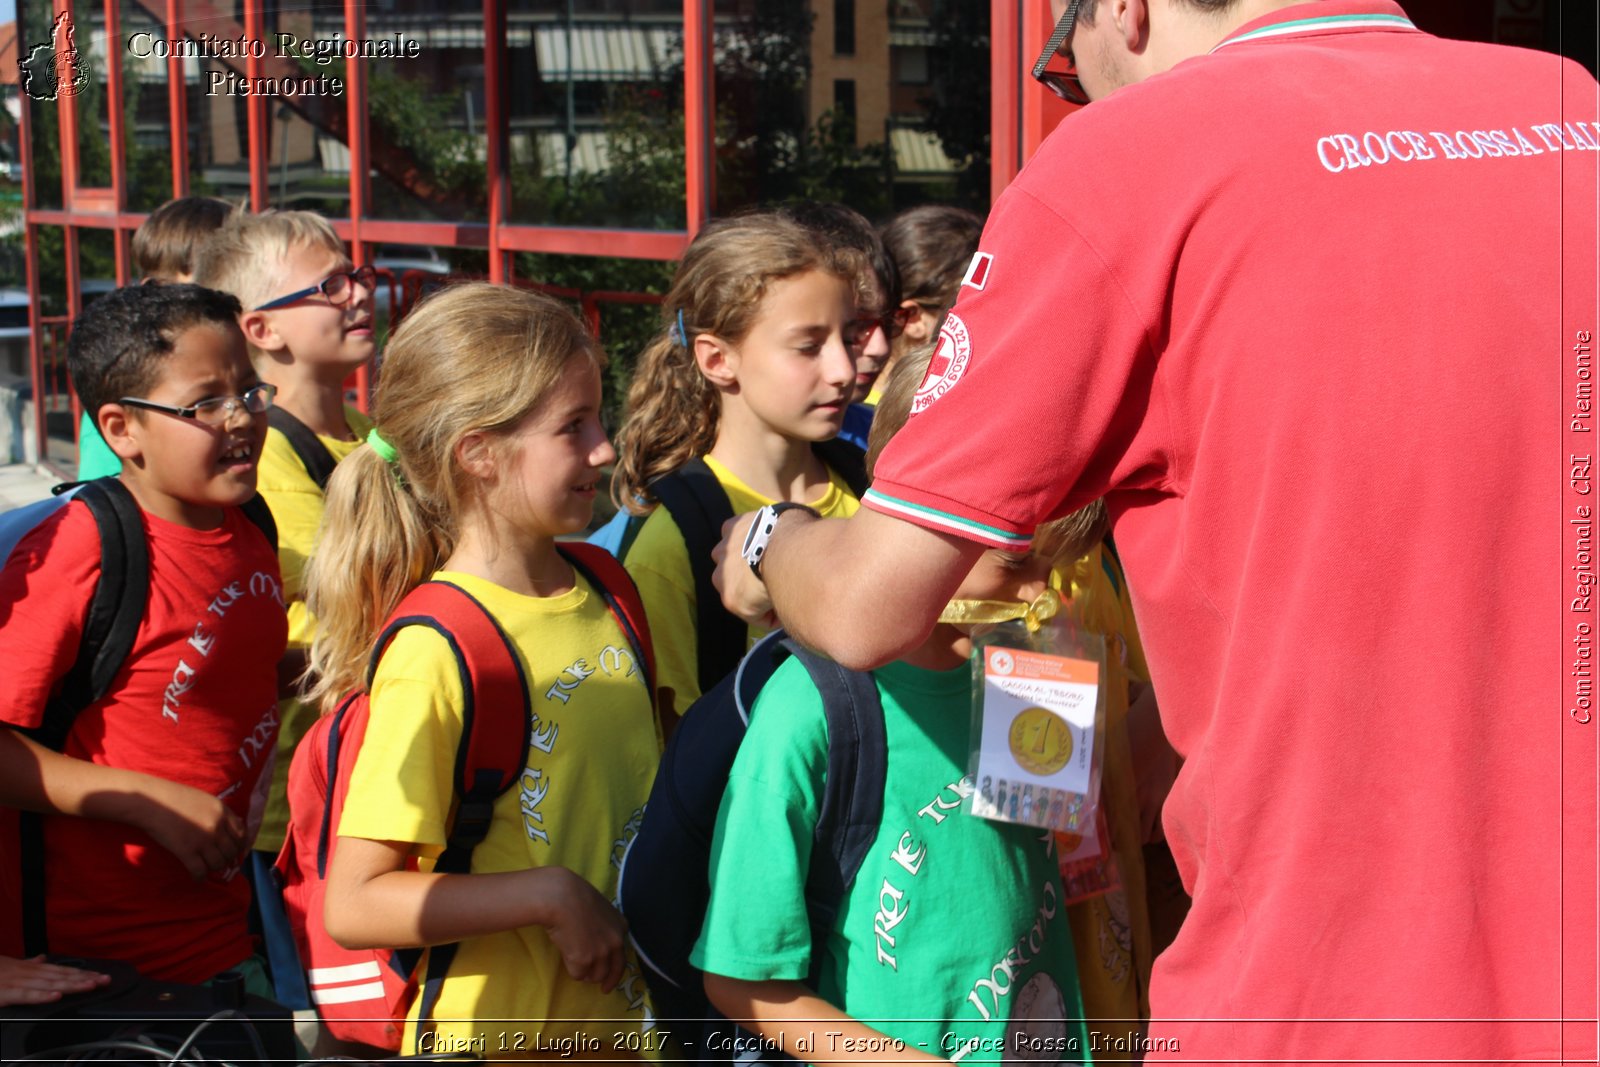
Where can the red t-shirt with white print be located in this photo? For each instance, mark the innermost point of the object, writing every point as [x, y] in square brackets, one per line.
[195, 702]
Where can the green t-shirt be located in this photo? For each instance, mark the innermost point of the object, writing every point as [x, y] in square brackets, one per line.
[954, 934]
[95, 458]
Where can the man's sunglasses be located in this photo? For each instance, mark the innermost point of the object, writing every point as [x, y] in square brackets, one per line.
[1064, 83]
[214, 412]
[338, 287]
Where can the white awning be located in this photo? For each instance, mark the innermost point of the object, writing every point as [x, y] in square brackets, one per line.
[918, 152]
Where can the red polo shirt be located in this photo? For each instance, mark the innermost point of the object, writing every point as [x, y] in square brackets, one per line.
[1300, 309]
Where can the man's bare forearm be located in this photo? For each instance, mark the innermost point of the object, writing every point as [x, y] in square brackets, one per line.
[864, 590]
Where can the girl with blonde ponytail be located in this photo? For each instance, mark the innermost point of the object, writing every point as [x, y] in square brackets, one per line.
[488, 446]
[752, 370]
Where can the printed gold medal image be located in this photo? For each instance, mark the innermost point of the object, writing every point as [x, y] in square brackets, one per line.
[1041, 741]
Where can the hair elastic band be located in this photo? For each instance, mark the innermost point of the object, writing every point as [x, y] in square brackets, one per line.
[383, 448]
[677, 334]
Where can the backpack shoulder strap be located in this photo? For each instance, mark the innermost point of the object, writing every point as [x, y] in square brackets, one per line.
[495, 720]
[601, 569]
[115, 609]
[851, 811]
[110, 626]
[699, 505]
[255, 509]
[313, 454]
[847, 460]
[495, 734]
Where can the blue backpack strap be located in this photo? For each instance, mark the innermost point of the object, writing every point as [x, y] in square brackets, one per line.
[848, 460]
[616, 535]
[699, 505]
[495, 733]
[851, 812]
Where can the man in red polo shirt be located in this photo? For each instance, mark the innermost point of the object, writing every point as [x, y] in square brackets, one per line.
[1303, 295]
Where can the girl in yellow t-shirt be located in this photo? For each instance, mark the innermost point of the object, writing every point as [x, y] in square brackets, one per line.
[487, 447]
[755, 365]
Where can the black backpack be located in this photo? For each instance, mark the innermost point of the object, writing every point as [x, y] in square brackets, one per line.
[313, 454]
[110, 626]
[699, 505]
[664, 884]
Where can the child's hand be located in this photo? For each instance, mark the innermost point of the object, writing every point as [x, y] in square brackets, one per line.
[37, 982]
[194, 826]
[589, 933]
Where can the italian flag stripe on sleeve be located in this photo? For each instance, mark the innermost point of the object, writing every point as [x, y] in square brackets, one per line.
[961, 526]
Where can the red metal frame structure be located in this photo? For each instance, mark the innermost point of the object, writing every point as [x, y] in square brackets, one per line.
[1019, 122]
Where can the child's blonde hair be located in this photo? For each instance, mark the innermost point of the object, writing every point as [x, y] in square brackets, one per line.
[1062, 539]
[167, 244]
[672, 411]
[473, 357]
[249, 256]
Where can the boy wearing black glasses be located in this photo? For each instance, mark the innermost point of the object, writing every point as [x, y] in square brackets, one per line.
[146, 799]
[307, 319]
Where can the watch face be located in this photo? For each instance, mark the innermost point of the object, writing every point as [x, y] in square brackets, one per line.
[755, 538]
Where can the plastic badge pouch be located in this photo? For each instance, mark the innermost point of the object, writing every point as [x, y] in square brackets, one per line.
[1039, 713]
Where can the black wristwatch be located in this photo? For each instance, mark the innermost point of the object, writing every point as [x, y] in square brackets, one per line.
[760, 532]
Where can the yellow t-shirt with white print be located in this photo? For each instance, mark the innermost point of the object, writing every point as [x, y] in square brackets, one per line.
[296, 502]
[659, 564]
[589, 769]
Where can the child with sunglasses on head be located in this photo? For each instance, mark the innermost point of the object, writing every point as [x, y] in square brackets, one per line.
[144, 804]
[952, 941]
[752, 371]
[307, 318]
[488, 448]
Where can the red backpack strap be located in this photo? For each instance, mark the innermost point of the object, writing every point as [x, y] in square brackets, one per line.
[494, 745]
[495, 734]
[615, 584]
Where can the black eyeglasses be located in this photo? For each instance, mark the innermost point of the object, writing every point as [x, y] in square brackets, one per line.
[1064, 83]
[218, 410]
[338, 287]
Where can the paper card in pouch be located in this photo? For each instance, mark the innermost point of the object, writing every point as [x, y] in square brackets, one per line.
[1037, 735]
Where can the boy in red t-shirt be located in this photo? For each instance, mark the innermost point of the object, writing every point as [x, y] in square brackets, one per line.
[148, 806]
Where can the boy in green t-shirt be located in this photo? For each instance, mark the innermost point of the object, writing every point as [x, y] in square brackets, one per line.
[952, 943]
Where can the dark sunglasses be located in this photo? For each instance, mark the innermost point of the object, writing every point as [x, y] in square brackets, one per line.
[338, 287]
[892, 323]
[1064, 83]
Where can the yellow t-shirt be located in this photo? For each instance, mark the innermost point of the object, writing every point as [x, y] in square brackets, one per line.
[659, 563]
[296, 504]
[589, 771]
[1111, 932]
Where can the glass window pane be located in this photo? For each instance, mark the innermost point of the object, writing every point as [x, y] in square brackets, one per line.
[55, 405]
[901, 120]
[219, 154]
[426, 135]
[596, 113]
[35, 68]
[94, 120]
[146, 125]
